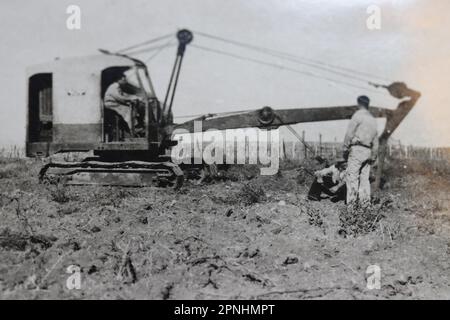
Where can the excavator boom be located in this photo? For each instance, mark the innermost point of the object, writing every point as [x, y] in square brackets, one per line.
[268, 117]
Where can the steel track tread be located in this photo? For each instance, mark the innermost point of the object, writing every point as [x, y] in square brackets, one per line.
[166, 172]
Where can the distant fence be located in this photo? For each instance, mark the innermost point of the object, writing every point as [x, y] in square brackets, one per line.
[295, 150]
[422, 153]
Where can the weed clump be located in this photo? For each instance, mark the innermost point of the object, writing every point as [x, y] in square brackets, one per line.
[60, 194]
[252, 193]
[359, 221]
[315, 217]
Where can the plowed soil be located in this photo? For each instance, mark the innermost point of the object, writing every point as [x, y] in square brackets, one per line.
[247, 237]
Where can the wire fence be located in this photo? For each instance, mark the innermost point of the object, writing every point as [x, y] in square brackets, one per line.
[296, 150]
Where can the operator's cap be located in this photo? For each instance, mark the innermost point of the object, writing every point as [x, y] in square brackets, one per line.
[131, 77]
[364, 101]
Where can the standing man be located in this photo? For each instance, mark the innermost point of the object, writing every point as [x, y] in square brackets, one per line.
[361, 148]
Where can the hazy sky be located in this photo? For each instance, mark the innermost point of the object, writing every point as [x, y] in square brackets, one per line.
[412, 46]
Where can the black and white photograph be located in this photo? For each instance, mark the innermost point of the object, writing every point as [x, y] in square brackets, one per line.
[210, 150]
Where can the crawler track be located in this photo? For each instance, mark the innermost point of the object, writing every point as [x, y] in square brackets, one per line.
[128, 173]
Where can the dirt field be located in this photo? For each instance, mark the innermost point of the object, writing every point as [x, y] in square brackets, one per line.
[247, 237]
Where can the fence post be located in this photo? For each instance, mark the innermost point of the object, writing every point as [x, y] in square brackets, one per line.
[294, 156]
[304, 147]
[335, 147]
[320, 144]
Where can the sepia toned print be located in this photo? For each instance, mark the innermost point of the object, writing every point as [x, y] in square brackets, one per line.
[235, 150]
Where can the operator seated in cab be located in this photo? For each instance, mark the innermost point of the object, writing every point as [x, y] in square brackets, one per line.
[123, 99]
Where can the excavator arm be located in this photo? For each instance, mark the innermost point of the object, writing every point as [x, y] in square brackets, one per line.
[399, 90]
[409, 98]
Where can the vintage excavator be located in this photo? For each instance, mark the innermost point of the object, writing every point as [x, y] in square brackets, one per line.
[66, 113]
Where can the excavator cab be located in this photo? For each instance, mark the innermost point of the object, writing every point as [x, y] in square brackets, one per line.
[66, 111]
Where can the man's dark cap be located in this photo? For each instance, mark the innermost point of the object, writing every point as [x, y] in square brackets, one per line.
[340, 162]
[364, 101]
